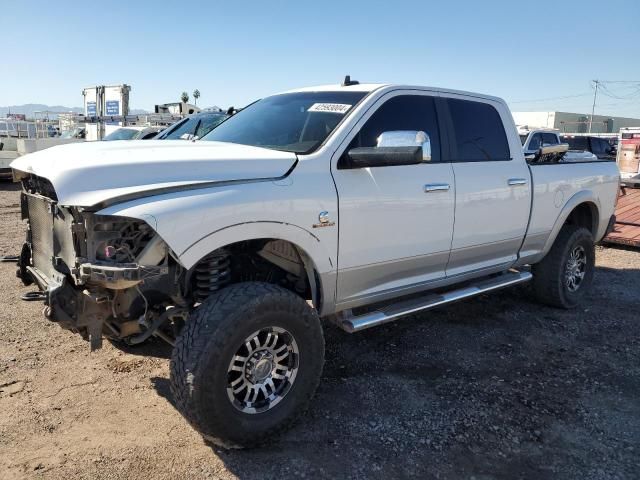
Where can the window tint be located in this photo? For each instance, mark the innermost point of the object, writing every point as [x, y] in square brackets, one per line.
[576, 143]
[292, 122]
[536, 142]
[208, 123]
[149, 135]
[404, 112]
[600, 146]
[478, 132]
[549, 139]
[186, 125]
[122, 134]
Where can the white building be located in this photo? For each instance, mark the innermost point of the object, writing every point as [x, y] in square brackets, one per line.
[568, 122]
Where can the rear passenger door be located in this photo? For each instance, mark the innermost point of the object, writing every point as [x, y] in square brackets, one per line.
[493, 191]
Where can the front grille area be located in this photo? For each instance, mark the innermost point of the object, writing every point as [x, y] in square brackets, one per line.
[41, 224]
[52, 249]
[38, 185]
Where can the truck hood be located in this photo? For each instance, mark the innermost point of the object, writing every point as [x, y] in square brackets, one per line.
[87, 174]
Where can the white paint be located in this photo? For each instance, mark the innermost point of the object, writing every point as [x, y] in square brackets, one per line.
[92, 172]
[383, 215]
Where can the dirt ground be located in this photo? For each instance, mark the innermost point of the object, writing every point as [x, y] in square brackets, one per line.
[498, 387]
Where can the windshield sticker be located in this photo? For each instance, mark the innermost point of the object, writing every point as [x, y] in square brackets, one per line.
[340, 108]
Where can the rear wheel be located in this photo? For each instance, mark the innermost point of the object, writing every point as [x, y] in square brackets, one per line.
[247, 363]
[565, 275]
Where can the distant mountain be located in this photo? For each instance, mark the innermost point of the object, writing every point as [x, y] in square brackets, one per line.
[29, 110]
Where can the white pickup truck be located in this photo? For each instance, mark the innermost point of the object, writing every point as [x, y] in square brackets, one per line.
[355, 203]
[533, 140]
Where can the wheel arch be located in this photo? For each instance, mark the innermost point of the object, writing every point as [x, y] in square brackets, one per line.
[318, 264]
[583, 209]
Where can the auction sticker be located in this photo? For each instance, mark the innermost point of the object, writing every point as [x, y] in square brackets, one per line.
[340, 108]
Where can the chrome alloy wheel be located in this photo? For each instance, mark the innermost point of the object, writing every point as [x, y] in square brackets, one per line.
[263, 370]
[576, 268]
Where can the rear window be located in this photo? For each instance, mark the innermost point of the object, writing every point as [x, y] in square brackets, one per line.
[122, 134]
[549, 139]
[576, 143]
[479, 135]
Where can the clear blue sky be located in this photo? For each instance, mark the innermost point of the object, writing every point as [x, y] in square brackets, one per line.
[235, 52]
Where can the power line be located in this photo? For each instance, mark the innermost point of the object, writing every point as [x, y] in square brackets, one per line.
[620, 81]
[552, 98]
[607, 92]
[593, 107]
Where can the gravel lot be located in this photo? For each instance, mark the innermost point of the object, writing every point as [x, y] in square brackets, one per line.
[498, 387]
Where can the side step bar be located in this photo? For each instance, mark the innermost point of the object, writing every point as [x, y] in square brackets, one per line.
[390, 313]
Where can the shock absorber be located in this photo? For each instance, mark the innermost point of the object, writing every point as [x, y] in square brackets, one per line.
[212, 273]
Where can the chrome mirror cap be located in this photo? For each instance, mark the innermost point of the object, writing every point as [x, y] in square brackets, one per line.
[407, 138]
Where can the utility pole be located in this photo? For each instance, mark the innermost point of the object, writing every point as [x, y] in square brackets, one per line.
[593, 108]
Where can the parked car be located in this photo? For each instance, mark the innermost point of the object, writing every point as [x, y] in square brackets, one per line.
[602, 148]
[334, 202]
[193, 127]
[533, 140]
[132, 133]
[53, 131]
[76, 132]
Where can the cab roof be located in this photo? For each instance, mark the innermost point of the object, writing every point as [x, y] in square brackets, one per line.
[370, 87]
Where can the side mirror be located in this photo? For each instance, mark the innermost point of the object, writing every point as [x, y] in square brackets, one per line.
[394, 148]
[407, 138]
[383, 156]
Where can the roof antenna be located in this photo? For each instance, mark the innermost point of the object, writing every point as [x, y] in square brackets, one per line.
[348, 82]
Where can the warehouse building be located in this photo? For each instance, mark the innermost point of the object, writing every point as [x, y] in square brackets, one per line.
[574, 122]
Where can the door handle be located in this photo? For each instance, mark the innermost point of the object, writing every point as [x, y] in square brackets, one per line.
[436, 187]
[517, 181]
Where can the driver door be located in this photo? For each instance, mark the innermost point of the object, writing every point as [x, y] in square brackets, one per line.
[396, 222]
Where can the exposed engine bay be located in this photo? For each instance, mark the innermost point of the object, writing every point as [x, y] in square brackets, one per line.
[115, 277]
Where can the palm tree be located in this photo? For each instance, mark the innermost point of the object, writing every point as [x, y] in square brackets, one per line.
[184, 97]
[196, 95]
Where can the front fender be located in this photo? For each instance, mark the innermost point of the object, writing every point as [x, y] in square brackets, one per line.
[294, 234]
[194, 224]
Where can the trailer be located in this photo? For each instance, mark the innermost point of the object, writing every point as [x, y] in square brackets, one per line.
[628, 157]
[626, 230]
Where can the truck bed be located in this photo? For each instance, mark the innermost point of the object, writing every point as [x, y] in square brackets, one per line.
[554, 185]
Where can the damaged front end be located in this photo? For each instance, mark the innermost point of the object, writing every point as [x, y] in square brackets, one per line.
[100, 275]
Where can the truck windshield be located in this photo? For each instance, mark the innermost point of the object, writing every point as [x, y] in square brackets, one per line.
[293, 122]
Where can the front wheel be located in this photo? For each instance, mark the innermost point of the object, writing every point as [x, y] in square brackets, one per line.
[247, 363]
[565, 275]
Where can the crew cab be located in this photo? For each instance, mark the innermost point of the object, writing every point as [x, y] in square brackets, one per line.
[533, 140]
[355, 203]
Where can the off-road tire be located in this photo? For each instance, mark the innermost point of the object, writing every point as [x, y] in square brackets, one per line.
[549, 283]
[213, 333]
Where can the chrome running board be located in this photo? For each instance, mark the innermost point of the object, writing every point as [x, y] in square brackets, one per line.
[392, 312]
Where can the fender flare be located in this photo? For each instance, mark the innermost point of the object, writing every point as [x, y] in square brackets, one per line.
[583, 196]
[317, 261]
